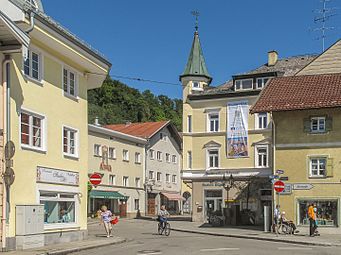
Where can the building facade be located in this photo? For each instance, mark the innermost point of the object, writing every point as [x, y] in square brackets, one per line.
[227, 154]
[307, 145]
[162, 164]
[47, 123]
[119, 159]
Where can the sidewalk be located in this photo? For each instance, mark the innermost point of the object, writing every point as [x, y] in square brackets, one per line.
[96, 238]
[301, 238]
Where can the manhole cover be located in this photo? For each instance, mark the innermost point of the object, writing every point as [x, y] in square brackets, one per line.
[150, 252]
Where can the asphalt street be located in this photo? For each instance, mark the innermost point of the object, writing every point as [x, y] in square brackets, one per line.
[142, 238]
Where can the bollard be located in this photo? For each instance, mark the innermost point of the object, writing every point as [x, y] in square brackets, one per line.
[267, 218]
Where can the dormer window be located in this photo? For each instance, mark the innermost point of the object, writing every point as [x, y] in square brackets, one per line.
[244, 84]
[261, 82]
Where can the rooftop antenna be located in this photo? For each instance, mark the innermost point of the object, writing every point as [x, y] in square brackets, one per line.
[196, 14]
[323, 16]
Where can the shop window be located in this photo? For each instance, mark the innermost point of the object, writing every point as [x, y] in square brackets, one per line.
[326, 215]
[58, 208]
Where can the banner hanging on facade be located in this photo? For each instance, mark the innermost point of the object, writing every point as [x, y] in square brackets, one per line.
[237, 129]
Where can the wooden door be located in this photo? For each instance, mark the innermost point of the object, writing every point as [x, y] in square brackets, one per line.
[151, 206]
[123, 209]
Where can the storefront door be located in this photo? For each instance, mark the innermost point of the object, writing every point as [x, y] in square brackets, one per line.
[213, 201]
[151, 205]
[123, 209]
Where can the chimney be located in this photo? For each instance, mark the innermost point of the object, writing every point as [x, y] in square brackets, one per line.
[272, 58]
[97, 122]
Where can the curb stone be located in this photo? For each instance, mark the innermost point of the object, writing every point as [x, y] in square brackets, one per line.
[77, 249]
[271, 239]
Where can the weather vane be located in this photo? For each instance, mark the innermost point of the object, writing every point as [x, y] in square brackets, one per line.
[196, 14]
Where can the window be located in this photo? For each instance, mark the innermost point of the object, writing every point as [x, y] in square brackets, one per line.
[174, 158]
[326, 215]
[125, 155]
[261, 120]
[167, 177]
[167, 157]
[70, 142]
[136, 204]
[158, 176]
[261, 82]
[318, 124]
[151, 154]
[69, 83]
[151, 175]
[189, 158]
[163, 137]
[137, 182]
[32, 130]
[112, 153]
[125, 181]
[243, 84]
[189, 123]
[318, 167]
[174, 178]
[112, 179]
[196, 85]
[159, 156]
[213, 122]
[262, 156]
[97, 150]
[32, 65]
[58, 207]
[213, 158]
[137, 158]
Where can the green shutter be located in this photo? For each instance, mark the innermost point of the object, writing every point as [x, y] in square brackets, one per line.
[329, 124]
[306, 125]
[330, 167]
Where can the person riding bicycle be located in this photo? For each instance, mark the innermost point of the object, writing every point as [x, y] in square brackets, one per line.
[162, 215]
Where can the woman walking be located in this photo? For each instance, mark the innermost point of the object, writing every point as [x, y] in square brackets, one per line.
[106, 216]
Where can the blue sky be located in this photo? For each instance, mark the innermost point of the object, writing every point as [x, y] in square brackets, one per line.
[151, 39]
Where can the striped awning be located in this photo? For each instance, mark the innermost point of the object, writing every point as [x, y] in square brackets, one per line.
[172, 196]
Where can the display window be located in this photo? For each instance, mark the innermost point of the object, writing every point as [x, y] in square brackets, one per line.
[326, 212]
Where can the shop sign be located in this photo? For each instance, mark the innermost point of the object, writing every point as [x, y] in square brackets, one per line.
[213, 184]
[51, 175]
[302, 186]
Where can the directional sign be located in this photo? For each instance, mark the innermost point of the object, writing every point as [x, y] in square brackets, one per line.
[95, 179]
[279, 186]
[287, 189]
[302, 186]
[284, 178]
[278, 171]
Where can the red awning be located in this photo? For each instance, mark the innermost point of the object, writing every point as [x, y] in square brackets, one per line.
[172, 196]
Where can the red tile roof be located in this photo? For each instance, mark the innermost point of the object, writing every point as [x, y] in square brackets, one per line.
[144, 130]
[299, 93]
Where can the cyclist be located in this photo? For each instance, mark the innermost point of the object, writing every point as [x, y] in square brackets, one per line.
[162, 215]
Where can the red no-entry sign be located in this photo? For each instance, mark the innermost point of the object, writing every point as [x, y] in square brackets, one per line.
[95, 179]
[279, 186]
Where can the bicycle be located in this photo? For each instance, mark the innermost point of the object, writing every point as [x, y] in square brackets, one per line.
[164, 227]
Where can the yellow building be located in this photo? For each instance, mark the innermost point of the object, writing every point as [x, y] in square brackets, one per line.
[306, 115]
[226, 151]
[120, 160]
[48, 126]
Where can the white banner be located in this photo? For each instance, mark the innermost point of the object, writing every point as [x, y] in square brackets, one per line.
[237, 129]
[50, 175]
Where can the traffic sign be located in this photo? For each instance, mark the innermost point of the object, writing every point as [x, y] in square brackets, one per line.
[9, 150]
[95, 179]
[279, 171]
[9, 176]
[279, 186]
[287, 189]
[302, 186]
[284, 178]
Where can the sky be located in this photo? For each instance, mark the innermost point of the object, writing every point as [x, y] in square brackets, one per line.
[151, 39]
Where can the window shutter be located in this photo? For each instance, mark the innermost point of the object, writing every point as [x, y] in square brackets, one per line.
[306, 125]
[330, 167]
[329, 124]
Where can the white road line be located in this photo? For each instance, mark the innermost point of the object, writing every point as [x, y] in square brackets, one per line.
[151, 253]
[220, 249]
[294, 248]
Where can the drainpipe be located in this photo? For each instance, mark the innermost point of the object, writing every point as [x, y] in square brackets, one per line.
[31, 23]
[273, 162]
[6, 125]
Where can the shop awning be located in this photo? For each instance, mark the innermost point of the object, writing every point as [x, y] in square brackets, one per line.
[172, 196]
[107, 194]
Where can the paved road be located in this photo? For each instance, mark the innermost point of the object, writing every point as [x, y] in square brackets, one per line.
[142, 239]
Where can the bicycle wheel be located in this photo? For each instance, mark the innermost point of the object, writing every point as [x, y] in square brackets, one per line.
[160, 228]
[167, 229]
[285, 229]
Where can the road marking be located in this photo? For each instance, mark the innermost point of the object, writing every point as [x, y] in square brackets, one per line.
[151, 253]
[220, 249]
[294, 248]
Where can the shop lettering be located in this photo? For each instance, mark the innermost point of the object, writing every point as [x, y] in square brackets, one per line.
[216, 184]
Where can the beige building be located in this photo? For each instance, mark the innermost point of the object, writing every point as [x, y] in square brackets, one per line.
[120, 159]
[227, 156]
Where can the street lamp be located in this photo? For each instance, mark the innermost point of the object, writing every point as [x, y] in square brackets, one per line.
[229, 183]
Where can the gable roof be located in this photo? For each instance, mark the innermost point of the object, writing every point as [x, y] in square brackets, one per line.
[299, 93]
